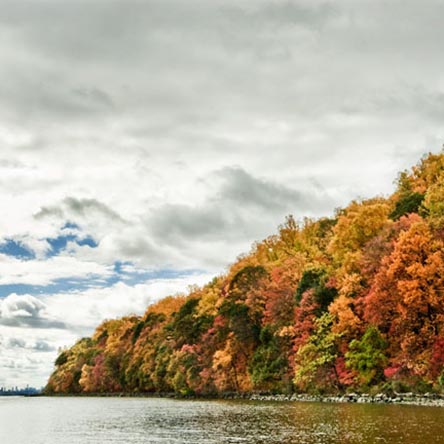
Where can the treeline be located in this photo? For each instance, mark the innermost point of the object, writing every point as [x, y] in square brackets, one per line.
[352, 302]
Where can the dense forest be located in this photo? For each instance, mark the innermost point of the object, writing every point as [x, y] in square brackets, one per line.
[351, 302]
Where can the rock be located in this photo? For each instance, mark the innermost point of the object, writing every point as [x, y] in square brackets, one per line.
[351, 397]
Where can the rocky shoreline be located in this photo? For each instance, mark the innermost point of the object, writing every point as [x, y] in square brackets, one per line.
[427, 399]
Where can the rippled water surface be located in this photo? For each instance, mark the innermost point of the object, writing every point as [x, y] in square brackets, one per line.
[148, 420]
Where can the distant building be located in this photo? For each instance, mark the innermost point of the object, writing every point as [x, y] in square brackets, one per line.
[15, 391]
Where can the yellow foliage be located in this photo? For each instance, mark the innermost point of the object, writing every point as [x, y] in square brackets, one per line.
[359, 223]
[167, 306]
[434, 203]
[427, 172]
[346, 321]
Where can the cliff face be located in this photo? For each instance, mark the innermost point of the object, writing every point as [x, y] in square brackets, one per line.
[353, 301]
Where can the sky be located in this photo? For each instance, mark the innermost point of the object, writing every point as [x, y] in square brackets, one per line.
[144, 145]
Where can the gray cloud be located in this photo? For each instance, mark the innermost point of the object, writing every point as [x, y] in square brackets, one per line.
[11, 164]
[26, 311]
[82, 207]
[16, 343]
[183, 222]
[134, 245]
[277, 14]
[39, 345]
[43, 346]
[154, 56]
[243, 189]
[74, 207]
[240, 203]
[94, 97]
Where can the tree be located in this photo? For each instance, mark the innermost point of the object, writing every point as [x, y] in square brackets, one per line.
[367, 356]
[406, 302]
[434, 203]
[315, 360]
[357, 224]
[407, 203]
[69, 364]
[316, 279]
[269, 365]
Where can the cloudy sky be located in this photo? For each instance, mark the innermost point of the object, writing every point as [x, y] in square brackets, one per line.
[145, 144]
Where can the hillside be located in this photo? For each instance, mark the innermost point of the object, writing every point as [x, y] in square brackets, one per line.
[351, 302]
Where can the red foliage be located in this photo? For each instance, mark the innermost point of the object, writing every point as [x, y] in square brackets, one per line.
[437, 359]
[391, 372]
[305, 316]
[346, 376]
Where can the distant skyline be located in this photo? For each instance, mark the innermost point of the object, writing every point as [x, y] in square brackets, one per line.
[145, 144]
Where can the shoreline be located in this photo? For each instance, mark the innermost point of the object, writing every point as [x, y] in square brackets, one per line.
[425, 400]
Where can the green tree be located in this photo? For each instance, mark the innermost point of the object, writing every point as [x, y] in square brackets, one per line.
[315, 369]
[269, 364]
[367, 356]
[408, 202]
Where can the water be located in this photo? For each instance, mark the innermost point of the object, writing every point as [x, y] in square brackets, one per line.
[148, 420]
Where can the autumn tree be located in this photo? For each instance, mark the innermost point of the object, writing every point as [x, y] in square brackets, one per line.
[406, 301]
[315, 361]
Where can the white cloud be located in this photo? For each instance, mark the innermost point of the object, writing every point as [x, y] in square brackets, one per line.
[44, 272]
[84, 310]
[20, 306]
[27, 311]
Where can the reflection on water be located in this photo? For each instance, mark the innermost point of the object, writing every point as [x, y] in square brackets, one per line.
[149, 420]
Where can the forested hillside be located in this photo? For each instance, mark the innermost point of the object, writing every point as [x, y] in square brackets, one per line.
[351, 302]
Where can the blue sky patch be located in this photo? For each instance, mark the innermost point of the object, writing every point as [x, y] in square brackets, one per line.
[59, 243]
[13, 248]
[64, 285]
[123, 272]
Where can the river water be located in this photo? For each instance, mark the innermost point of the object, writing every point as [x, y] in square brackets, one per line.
[151, 420]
